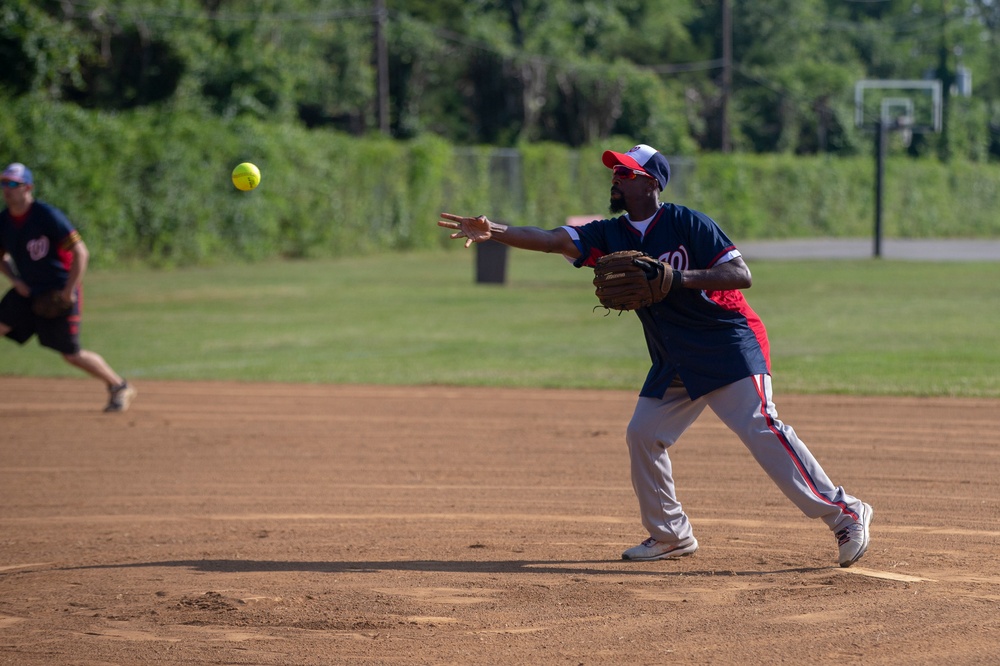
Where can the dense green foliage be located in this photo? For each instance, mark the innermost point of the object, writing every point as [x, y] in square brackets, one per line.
[509, 72]
[150, 187]
[855, 327]
[133, 112]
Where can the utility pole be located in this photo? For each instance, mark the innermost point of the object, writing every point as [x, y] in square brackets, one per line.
[382, 67]
[725, 143]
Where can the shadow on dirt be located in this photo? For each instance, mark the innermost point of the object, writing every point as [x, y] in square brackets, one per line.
[487, 567]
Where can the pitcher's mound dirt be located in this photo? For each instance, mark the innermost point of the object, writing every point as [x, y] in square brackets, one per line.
[226, 523]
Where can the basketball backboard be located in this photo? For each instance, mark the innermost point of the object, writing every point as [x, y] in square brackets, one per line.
[913, 105]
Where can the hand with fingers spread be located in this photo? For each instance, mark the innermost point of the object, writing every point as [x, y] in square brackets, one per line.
[473, 229]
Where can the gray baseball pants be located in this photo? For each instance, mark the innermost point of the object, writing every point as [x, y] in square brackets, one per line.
[746, 408]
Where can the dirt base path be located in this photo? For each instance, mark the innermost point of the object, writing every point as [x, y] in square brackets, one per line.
[225, 523]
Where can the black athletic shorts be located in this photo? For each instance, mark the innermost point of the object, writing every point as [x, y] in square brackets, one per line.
[61, 334]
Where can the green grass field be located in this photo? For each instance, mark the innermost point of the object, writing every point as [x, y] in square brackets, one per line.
[853, 327]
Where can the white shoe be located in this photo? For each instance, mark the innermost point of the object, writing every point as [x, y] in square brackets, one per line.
[120, 397]
[651, 549]
[853, 539]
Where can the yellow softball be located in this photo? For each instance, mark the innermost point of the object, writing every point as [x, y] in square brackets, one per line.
[246, 176]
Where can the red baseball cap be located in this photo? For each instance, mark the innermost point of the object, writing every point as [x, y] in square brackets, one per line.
[641, 158]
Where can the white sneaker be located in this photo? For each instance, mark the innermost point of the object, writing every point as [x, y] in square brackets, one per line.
[120, 397]
[853, 539]
[651, 549]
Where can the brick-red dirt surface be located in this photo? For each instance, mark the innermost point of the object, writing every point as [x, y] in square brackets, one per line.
[231, 523]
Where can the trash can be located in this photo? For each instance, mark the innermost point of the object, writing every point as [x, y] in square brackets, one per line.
[491, 262]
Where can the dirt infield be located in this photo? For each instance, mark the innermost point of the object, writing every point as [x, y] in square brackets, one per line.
[224, 523]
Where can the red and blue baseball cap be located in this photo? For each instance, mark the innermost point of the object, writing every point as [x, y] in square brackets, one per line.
[641, 158]
[18, 173]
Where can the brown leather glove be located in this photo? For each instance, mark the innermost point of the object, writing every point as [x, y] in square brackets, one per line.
[51, 305]
[630, 279]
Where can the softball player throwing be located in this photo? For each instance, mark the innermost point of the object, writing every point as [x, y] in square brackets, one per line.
[708, 349]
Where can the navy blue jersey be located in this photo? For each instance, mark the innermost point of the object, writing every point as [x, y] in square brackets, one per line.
[708, 338]
[39, 244]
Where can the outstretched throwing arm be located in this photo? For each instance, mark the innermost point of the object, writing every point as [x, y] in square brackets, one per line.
[479, 229]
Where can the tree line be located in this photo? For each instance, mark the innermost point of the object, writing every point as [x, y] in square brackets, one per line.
[689, 76]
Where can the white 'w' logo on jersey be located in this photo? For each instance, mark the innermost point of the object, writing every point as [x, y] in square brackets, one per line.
[38, 248]
[678, 259]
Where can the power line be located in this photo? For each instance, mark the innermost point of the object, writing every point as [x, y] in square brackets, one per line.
[912, 25]
[370, 13]
[664, 68]
[283, 17]
[687, 66]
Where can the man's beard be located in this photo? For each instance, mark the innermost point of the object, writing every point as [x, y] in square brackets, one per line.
[617, 204]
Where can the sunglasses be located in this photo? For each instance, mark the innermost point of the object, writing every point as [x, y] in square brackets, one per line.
[626, 173]
[10, 184]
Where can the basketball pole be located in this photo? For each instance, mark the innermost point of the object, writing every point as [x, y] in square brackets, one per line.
[881, 139]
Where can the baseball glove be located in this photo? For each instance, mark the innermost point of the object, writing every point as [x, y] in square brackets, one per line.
[629, 280]
[51, 305]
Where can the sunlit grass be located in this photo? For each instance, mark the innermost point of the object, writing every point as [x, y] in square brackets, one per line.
[859, 327]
